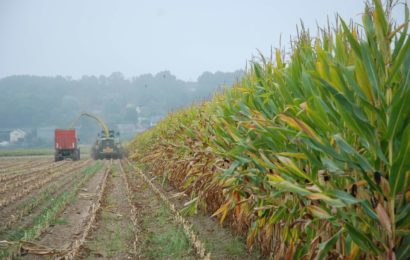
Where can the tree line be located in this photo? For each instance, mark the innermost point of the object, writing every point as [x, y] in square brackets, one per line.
[36, 101]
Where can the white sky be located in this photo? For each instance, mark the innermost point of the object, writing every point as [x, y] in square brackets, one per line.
[94, 37]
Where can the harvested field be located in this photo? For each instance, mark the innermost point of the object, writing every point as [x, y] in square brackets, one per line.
[94, 209]
[34, 192]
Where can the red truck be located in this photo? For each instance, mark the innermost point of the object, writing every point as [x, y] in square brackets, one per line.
[65, 145]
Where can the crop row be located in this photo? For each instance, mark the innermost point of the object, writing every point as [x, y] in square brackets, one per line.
[42, 221]
[194, 240]
[19, 180]
[133, 211]
[43, 196]
[18, 165]
[7, 163]
[38, 184]
[91, 217]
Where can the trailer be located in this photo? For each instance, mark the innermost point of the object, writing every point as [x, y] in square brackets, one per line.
[65, 145]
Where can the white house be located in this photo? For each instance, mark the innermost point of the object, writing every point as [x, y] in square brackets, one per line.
[17, 135]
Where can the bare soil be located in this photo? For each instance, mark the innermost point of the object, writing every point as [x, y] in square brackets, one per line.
[8, 211]
[11, 165]
[61, 185]
[113, 234]
[73, 217]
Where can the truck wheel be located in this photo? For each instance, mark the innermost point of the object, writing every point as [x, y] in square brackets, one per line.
[77, 155]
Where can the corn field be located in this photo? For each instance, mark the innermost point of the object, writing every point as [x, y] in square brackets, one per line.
[306, 156]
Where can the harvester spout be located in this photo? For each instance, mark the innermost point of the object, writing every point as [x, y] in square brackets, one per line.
[102, 124]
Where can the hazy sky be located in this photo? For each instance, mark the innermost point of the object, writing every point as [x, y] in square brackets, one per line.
[94, 37]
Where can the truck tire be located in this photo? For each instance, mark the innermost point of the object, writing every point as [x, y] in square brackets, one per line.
[74, 155]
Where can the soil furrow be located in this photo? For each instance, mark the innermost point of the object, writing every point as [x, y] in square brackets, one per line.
[21, 179]
[16, 195]
[123, 214]
[159, 235]
[69, 226]
[113, 234]
[218, 240]
[33, 205]
[21, 166]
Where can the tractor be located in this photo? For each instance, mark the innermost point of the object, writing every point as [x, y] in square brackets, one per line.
[107, 147]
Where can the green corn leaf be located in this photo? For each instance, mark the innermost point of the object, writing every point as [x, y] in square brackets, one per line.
[403, 252]
[403, 218]
[404, 51]
[349, 150]
[400, 107]
[353, 42]
[279, 213]
[287, 186]
[327, 199]
[401, 165]
[319, 212]
[362, 240]
[343, 196]
[371, 72]
[331, 166]
[368, 210]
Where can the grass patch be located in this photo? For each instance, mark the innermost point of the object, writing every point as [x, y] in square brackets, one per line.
[112, 238]
[27, 152]
[59, 221]
[115, 231]
[234, 248]
[165, 240]
[84, 149]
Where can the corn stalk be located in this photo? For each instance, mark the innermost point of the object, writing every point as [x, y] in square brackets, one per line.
[306, 156]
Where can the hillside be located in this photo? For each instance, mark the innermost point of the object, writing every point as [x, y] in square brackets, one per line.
[40, 101]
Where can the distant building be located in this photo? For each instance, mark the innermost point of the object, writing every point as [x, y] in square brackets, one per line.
[17, 136]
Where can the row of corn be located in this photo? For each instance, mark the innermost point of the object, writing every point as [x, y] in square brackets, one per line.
[309, 156]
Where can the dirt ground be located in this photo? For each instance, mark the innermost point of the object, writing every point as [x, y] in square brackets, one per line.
[159, 236]
[131, 220]
[70, 223]
[113, 234]
[9, 211]
[218, 240]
